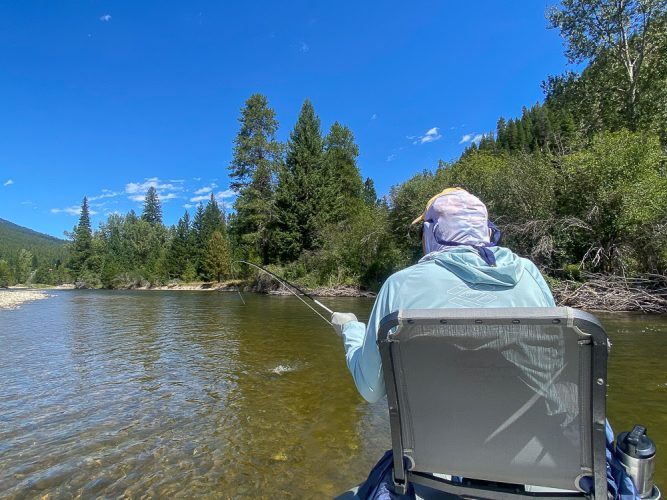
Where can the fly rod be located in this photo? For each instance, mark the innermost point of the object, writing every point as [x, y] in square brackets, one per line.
[290, 288]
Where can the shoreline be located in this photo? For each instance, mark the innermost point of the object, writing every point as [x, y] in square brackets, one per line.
[11, 299]
[234, 286]
[614, 299]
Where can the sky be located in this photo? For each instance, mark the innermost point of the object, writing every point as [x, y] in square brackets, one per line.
[105, 98]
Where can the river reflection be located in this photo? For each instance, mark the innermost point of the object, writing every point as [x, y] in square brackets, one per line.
[196, 394]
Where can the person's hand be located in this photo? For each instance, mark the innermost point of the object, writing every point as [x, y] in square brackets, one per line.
[338, 320]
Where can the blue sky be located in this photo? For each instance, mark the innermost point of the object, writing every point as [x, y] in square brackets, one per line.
[104, 98]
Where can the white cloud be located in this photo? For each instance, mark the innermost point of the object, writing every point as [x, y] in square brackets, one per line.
[471, 137]
[374, 116]
[106, 18]
[188, 205]
[206, 189]
[391, 157]
[220, 195]
[227, 193]
[73, 210]
[106, 193]
[303, 47]
[431, 135]
[197, 199]
[8, 182]
[165, 190]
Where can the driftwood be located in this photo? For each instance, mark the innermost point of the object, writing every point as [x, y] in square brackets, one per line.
[645, 293]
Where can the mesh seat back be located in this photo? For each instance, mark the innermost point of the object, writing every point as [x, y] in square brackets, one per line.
[493, 394]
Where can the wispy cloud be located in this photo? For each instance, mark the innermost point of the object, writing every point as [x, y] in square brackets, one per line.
[106, 193]
[374, 116]
[206, 189]
[472, 137]
[227, 193]
[303, 47]
[220, 195]
[8, 182]
[105, 18]
[391, 157]
[73, 210]
[136, 191]
[188, 205]
[431, 135]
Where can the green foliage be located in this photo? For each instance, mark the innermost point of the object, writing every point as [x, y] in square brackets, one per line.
[253, 170]
[625, 44]
[24, 266]
[152, 212]
[218, 257]
[299, 194]
[617, 186]
[45, 251]
[6, 278]
[82, 240]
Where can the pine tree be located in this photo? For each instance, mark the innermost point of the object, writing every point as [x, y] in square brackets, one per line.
[24, 266]
[342, 187]
[152, 210]
[513, 140]
[213, 219]
[527, 123]
[218, 256]
[200, 239]
[5, 274]
[300, 184]
[180, 249]
[82, 244]
[370, 196]
[501, 134]
[254, 168]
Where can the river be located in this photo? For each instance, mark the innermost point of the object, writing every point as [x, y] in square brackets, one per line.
[188, 394]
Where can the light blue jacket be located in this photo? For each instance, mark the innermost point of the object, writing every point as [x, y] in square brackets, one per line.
[456, 277]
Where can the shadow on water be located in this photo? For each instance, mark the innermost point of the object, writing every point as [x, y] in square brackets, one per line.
[196, 394]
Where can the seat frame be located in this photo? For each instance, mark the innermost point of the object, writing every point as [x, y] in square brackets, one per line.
[389, 335]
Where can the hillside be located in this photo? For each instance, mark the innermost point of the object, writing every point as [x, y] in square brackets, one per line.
[14, 237]
[27, 256]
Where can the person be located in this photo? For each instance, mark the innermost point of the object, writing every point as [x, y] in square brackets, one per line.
[462, 266]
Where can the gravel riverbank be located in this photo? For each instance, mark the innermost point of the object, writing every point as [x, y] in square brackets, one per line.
[12, 299]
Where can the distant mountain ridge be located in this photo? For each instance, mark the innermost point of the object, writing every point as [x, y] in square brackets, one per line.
[14, 237]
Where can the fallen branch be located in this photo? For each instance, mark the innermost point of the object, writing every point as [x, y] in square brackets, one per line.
[646, 293]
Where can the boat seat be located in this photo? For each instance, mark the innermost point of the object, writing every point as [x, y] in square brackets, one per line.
[500, 398]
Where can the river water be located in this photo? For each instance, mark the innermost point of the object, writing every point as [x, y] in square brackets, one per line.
[182, 394]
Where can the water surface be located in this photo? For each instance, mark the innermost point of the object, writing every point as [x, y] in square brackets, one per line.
[196, 394]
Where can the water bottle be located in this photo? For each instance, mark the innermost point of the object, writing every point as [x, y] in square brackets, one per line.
[636, 452]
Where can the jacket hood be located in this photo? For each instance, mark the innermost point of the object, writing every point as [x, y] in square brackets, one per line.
[466, 264]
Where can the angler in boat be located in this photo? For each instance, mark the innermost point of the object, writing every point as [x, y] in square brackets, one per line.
[491, 388]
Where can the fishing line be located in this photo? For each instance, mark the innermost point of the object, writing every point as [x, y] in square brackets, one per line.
[289, 287]
[238, 289]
